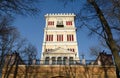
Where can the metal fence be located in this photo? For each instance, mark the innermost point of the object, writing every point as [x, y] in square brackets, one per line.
[61, 62]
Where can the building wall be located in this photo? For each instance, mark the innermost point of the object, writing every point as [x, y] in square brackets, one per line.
[52, 30]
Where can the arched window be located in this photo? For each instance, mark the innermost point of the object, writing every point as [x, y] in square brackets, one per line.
[59, 60]
[53, 61]
[59, 23]
[65, 60]
[47, 60]
[71, 61]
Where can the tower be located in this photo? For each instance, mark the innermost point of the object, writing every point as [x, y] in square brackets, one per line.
[60, 42]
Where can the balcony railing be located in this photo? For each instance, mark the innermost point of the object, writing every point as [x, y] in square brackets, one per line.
[61, 62]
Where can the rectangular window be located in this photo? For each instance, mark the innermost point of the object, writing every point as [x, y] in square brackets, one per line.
[70, 37]
[49, 37]
[50, 23]
[59, 22]
[69, 23]
[71, 49]
[60, 37]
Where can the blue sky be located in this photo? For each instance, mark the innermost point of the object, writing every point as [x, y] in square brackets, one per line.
[32, 27]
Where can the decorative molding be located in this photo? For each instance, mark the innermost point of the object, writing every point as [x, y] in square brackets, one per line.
[60, 14]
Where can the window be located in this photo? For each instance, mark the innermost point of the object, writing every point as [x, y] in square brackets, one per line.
[71, 49]
[47, 59]
[49, 37]
[53, 60]
[69, 23]
[70, 37]
[60, 37]
[48, 50]
[59, 24]
[65, 60]
[50, 23]
[71, 61]
[59, 60]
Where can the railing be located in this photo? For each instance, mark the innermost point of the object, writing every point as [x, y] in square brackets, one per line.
[55, 62]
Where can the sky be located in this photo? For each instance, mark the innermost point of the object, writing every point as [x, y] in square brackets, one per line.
[32, 28]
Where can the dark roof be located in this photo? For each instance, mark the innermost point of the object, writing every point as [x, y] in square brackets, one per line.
[104, 58]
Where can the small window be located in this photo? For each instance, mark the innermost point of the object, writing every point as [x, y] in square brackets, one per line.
[69, 23]
[50, 23]
[47, 60]
[59, 24]
[48, 50]
[71, 49]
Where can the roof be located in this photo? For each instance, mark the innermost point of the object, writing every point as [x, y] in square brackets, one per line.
[60, 14]
[104, 58]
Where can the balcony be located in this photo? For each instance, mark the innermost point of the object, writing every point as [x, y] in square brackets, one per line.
[59, 26]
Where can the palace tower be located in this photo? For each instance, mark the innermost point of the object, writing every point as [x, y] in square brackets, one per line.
[60, 42]
[59, 58]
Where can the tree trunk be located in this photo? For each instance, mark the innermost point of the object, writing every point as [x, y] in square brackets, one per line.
[109, 36]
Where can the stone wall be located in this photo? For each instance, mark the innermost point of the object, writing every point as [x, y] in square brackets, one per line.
[60, 71]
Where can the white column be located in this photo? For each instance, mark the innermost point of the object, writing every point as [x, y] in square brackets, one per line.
[67, 62]
[45, 33]
[65, 36]
[54, 37]
[62, 60]
[75, 37]
[55, 60]
[50, 62]
[65, 39]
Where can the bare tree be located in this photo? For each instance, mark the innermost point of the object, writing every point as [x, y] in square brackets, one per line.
[100, 47]
[102, 17]
[29, 56]
[94, 50]
[107, 33]
[10, 42]
[5, 38]
[30, 52]
[23, 7]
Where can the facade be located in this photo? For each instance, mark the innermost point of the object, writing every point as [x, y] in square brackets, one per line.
[60, 42]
